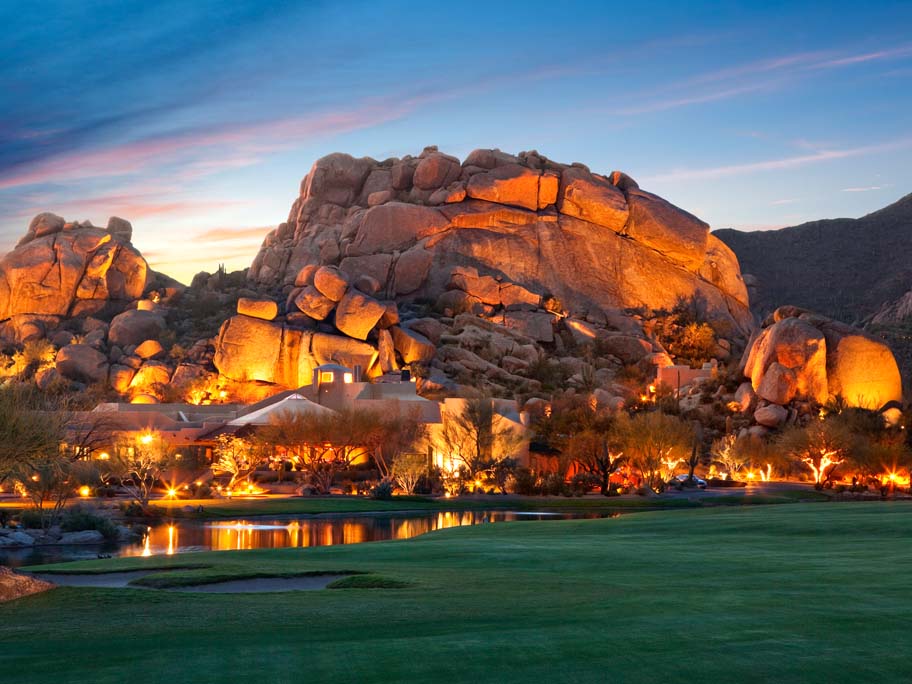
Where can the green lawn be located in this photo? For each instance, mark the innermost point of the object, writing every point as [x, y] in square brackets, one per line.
[797, 593]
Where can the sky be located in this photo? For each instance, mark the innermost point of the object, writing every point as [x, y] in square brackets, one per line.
[197, 120]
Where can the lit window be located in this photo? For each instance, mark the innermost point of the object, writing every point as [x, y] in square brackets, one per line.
[326, 376]
[348, 378]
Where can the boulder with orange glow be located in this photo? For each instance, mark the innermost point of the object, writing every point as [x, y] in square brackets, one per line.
[595, 243]
[70, 269]
[801, 355]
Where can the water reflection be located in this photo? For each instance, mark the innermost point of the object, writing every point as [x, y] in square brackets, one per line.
[185, 536]
[190, 535]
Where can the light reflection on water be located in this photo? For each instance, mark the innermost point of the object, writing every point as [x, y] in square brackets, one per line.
[185, 536]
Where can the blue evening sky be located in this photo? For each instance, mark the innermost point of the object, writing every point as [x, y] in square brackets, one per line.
[196, 120]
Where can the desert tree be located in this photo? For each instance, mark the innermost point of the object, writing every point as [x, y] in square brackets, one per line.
[393, 438]
[408, 469]
[31, 430]
[137, 462]
[651, 441]
[727, 452]
[596, 452]
[476, 437]
[235, 456]
[822, 446]
[324, 443]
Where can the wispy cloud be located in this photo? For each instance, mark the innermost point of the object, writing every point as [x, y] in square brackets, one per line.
[752, 77]
[880, 55]
[674, 103]
[784, 162]
[863, 189]
[783, 201]
[230, 146]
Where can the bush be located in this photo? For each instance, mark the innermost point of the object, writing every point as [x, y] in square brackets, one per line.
[523, 482]
[382, 491]
[80, 518]
[132, 510]
[582, 483]
[31, 519]
[552, 484]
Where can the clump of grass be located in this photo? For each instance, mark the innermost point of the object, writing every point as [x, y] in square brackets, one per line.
[368, 582]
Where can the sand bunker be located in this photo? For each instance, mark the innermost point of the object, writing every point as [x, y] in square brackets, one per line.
[263, 584]
[253, 585]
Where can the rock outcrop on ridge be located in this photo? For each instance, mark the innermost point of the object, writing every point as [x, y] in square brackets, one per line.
[501, 236]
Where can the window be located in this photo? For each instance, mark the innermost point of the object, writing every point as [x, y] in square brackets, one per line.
[348, 378]
[326, 376]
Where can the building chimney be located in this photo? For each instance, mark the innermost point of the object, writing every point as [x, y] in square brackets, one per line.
[357, 370]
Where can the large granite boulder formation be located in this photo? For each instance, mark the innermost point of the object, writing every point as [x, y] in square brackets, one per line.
[251, 349]
[799, 355]
[527, 230]
[67, 269]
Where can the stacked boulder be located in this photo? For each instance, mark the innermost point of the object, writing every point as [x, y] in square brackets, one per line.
[800, 359]
[501, 233]
[328, 320]
[64, 269]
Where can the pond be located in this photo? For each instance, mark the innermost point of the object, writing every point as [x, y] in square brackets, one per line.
[186, 536]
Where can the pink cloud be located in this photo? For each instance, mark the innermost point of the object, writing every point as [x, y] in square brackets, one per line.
[226, 234]
[230, 146]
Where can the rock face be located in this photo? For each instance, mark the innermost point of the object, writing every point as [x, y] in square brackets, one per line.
[70, 269]
[800, 355]
[523, 224]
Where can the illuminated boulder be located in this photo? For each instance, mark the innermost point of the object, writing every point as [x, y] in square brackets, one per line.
[135, 327]
[82, 363]
[357, 314]
[71, 269]
[251, 349]
[593, 199]
[800, 355]
[513, 184]
[265, 309]
[596, 244]
[792, 345]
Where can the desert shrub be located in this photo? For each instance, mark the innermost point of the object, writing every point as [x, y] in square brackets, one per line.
[132, 510]
[31, 519]
[80, 518]
[582, 483]
[383, 490]
[523, 482]
[552, 484]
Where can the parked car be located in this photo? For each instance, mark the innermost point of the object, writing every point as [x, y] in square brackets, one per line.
[681, 481]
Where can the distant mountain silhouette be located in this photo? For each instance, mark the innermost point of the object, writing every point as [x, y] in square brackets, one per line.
[847, 269]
